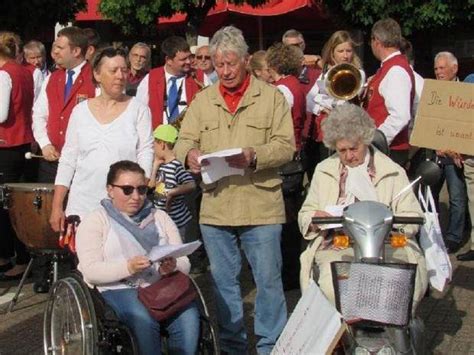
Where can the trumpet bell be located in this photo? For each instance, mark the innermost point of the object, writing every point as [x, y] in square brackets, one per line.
[344, 81]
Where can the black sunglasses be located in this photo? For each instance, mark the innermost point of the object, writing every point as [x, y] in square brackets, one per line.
[206, 57]
[128, 190]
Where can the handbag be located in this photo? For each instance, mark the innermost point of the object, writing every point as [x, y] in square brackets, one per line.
[167, 296]
[438, 264]
[292, 174]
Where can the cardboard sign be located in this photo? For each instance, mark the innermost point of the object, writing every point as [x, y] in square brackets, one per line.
[445, 117]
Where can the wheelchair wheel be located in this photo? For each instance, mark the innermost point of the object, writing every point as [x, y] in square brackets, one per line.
[208, 344]
[70, 324]
[78, 321]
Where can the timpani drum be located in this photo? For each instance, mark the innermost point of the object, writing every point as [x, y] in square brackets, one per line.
[29, 206]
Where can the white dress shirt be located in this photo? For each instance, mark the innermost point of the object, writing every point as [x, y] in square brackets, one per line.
[91, 147]
[395, 88]
[143, 93]
[288, 95]
[41, 110]
[5, 93]
[210, 78]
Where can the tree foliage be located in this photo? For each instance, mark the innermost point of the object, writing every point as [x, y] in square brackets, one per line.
[413, 15]
[141, 15]
[30, 17]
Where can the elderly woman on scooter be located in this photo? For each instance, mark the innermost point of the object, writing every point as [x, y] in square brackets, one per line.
[356, 172]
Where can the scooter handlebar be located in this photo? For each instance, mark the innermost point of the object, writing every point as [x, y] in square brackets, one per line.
[327, 220]
[408, 220]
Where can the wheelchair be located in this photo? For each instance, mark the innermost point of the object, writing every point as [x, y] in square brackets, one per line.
[78, 321]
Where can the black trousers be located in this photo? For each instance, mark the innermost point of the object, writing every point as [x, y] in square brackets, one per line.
[47, 171]
[12, 165]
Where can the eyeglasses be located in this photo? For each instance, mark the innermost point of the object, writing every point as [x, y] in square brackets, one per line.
[128, 190]
[203, 57]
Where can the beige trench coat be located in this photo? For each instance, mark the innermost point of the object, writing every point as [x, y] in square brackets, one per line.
[262, 121]
[390, 178]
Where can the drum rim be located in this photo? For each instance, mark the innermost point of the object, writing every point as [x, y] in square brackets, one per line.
[28, 186]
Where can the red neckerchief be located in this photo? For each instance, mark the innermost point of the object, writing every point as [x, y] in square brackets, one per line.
[233, 98]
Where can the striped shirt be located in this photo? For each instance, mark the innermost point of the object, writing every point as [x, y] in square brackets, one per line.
[169, 176]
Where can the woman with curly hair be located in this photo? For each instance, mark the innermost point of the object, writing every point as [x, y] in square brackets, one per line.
[285, 63]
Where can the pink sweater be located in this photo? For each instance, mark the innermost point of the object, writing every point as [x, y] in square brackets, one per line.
[91, 238]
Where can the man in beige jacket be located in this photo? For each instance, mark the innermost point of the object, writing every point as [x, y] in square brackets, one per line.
[241, 112]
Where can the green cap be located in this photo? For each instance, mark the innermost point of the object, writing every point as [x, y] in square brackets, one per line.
[166, 133]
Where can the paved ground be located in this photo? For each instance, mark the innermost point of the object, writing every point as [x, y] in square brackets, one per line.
[448, 316]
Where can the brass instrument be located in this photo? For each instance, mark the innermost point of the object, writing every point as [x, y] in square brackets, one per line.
[344, 81]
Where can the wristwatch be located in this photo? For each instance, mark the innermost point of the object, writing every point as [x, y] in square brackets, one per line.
[253, 163]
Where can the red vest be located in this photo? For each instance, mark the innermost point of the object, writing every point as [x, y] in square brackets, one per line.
[376, 105]
[59, 111]
[298, 111]
[16, 130]
[31, 68]
[157, 91]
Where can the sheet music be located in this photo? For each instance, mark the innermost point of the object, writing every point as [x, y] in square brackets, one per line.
[313, 328]
[218, 167]
[160, 252]
[336, 211]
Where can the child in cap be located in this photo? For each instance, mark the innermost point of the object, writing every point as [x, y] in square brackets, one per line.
[170, 179]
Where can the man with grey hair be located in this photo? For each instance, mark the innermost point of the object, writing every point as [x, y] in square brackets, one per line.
[243, 211]
[139, 59]
[35, 54]
[391, 90]
[308, 75]
[446, 68]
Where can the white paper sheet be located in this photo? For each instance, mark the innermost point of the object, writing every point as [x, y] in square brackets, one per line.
[172, 251]
[218, 167]
[336, 211]
[313, 328]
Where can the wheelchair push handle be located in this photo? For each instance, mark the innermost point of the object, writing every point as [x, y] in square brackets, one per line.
[327, 220]
[408, 220]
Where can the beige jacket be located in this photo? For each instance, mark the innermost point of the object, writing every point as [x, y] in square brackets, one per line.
[262, 121]
[390, 178]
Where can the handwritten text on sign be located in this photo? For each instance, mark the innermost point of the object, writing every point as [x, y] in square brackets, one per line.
[445, 117]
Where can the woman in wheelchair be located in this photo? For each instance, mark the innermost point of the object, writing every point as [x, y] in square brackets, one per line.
[357, 172]
[111, 246]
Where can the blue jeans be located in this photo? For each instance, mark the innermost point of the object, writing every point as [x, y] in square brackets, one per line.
[457, 200]
[183, 328]
[261, 245]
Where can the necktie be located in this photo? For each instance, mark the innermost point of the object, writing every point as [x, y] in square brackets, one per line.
[173, 100]
[67, 88]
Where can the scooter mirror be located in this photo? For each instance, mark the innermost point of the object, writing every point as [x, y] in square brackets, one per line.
[429, 171]
[380, 142]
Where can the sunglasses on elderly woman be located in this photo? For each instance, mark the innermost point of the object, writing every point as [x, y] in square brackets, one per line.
[128, 190]
[205, 57]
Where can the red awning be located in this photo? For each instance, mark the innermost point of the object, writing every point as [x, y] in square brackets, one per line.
[270, 8]
[92, 13]
[222, 11]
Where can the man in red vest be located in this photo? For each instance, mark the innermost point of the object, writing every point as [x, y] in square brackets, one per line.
[61, 91]
[169, 89]
[392, 89]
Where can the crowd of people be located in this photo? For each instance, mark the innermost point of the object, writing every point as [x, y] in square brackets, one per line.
[122, 141]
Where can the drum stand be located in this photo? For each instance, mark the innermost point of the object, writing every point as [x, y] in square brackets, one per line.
[53, 265]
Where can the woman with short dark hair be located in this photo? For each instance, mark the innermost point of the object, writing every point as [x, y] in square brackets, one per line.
[112, 244]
